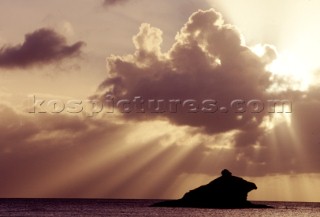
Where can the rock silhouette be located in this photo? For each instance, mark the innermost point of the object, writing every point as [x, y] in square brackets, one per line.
[227, 191]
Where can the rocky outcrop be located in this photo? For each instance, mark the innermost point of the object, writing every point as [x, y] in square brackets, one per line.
[226, 191]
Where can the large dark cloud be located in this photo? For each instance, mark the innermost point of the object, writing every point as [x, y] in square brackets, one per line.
[42, 46]
[208, 61]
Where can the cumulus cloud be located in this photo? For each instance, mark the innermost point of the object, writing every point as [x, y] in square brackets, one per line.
[42, 46]
[209, 60]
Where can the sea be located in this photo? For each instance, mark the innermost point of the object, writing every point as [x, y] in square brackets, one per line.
[114, 208]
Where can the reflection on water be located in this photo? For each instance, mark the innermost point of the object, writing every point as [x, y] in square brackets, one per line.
[114, 208]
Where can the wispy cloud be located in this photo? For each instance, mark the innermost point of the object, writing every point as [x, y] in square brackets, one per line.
[108, 3]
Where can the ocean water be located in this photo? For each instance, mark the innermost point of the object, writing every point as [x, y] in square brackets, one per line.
[114, 208]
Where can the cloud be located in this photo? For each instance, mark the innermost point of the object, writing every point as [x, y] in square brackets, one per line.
[108, 3]
[40, 47]
[208, 60]
[37, 148]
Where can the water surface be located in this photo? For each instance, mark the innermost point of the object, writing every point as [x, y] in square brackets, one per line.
[114, 208]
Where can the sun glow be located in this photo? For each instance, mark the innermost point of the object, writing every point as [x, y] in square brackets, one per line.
[289, 26]
[294, 69]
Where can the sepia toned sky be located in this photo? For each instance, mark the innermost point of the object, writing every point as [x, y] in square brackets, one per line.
[189, 49]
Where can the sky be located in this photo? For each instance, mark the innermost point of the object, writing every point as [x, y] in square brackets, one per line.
[140, 98]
